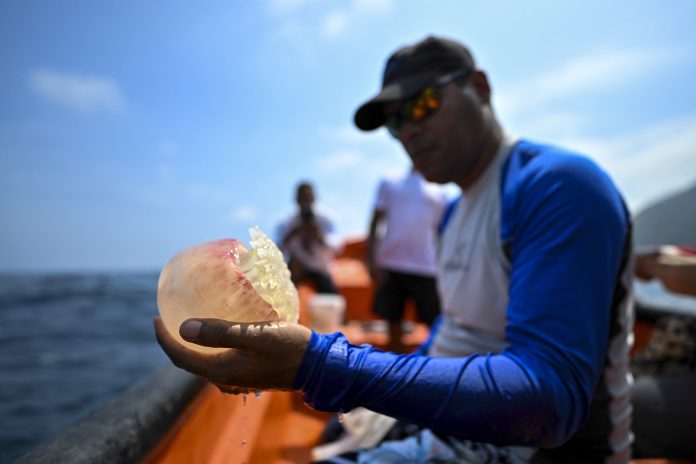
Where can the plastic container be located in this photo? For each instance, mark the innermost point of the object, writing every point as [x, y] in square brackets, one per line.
[326, 312]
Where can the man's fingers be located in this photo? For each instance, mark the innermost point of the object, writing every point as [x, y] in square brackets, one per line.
[228, 367]
[181, 356]
[259, 355]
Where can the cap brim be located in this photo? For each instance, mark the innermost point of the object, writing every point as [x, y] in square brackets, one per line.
[370, 115]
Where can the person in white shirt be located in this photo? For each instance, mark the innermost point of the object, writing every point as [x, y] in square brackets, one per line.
[401, 249]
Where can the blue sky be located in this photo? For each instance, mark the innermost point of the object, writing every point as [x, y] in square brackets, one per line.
[130, 130]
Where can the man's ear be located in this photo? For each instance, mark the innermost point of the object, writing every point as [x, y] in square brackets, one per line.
[479, 81]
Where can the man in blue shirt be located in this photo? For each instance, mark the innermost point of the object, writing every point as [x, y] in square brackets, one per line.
[529, 362]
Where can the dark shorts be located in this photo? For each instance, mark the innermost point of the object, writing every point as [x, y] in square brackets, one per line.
[397, 287]
[322, 282]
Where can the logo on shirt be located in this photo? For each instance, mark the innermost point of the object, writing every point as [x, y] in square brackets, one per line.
[457, 261]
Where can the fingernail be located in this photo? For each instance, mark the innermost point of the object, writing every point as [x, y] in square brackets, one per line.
[189, 329]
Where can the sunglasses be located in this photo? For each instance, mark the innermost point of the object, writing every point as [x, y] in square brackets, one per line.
[424, 104]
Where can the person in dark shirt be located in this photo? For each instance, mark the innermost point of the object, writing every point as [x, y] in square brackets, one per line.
[305, 239]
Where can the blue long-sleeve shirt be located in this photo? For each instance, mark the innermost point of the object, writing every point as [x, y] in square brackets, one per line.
[567, 232]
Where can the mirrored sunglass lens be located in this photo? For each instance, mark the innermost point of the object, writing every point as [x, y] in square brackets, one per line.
[424, 104]
[416, 109]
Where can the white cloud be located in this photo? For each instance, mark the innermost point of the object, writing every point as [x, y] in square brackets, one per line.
[206, 192]
[373, 7]
[282, 7]
[584, 74]
[347, 133]
[242, 214]
[169, 149]
[164, 170]
[359, 161]
[78, 92]
[368, 155]
[340, 160]
[647, 163]
[336, 21]
[335, 24]
[549, 125]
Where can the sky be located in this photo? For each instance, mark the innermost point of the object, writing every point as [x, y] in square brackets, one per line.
[131, 130]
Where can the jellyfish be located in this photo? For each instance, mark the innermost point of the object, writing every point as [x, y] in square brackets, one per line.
[224, 279]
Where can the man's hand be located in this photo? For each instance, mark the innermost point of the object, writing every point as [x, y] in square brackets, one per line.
[675, 269]
[644, 265]
[262, 356]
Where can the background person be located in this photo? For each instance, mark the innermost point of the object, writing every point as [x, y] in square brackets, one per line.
[308, 243]
[401, 248]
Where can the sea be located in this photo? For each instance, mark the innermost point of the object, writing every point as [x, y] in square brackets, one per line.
[68, 343]
[71, 341]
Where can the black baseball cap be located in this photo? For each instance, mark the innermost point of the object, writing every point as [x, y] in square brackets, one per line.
[408, 70]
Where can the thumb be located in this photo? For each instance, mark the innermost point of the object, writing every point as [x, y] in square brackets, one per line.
[216, 333]
[257, 336]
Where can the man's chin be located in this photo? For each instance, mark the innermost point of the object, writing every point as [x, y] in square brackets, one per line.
[436, 176]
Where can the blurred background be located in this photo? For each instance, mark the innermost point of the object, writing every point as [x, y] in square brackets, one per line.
[130, 130]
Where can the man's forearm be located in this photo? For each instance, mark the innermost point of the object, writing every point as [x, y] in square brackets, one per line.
[493, 398]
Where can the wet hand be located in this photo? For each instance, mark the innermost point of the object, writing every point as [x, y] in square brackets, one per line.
[261, 356]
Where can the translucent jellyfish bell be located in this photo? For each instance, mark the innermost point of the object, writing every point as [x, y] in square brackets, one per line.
[223, 279]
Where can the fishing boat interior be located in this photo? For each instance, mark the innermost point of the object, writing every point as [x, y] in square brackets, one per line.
[174, 417]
